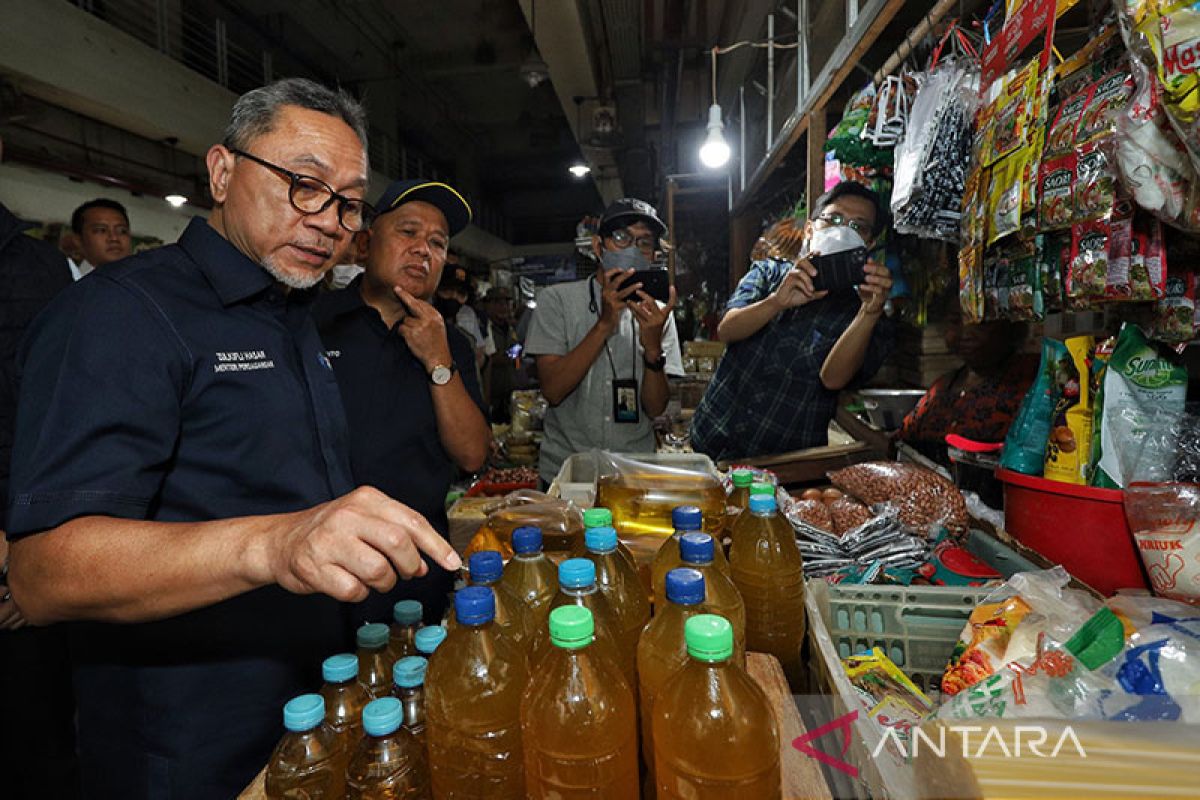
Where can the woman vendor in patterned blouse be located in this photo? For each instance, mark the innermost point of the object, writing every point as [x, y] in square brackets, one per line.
[978, 400]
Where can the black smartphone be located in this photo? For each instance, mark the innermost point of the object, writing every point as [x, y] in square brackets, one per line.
[842, 270]
[655, 282]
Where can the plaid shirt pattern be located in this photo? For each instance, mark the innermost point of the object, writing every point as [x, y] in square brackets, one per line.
[766, 396]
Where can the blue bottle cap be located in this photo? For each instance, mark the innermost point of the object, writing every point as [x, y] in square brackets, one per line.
[475, 605]
[762, 504]
[372, 635]
[409, 672]
[600, 540]
[576, 573]
[383, 716]
[408, 612]
[527, 539]
[687, 518]
[696, 548]
[485, 566]
[340, 668]
[685, 586]
[428, 639]
[304, 713]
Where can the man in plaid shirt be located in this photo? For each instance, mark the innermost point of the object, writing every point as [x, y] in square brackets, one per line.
[791, 349]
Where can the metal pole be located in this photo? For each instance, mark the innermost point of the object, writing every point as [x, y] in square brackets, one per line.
[851, 13]
[770, 81]
[742, 149]
[222, 54]
[802, 32]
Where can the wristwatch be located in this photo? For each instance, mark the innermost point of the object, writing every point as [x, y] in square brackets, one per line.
[440, 375]
[658, 364]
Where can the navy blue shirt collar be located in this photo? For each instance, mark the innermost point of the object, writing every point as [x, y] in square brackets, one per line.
[340, 302]
[232, 275]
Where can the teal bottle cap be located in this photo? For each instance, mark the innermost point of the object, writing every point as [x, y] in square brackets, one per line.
[383, 716]
[762, 504]
[600, 540]
[408, 612]
[340, 668]
[409, 672]
[372, 635]
[428, 639]
[304, 713]
[576, 573]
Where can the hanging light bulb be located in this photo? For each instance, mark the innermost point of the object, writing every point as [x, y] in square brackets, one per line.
[176, 200]
[579, 169]
[714, 153]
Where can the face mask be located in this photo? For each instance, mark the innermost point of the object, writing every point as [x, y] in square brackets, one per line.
[629, 258]
[834, 239]
[447, 306]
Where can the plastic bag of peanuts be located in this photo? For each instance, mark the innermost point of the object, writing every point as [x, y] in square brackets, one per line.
[922, 498]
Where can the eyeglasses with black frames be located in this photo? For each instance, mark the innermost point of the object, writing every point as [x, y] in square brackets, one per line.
[835, 219]
[310, 195]
[622, 238]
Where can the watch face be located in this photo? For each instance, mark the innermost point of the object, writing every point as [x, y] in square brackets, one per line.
[441, 375]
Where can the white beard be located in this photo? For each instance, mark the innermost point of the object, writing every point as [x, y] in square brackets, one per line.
[304, 281]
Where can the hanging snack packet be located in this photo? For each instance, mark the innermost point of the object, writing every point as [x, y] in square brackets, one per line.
[1057, 184]
[1088, 273]
[1068, 448]
[1054, 253]
[970, 284]
[1118, 284]
[1140, 380]
[1004, 198]
[1175, 40]
[1107, 100]
[1025, 302]
[1095, 183]
[1140, 287]
[1060, 139]
[1013, 110]
[1029, 176]
[1175, 314]
[1156, 259]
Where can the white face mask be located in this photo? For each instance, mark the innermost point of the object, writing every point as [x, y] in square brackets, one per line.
[833, 239]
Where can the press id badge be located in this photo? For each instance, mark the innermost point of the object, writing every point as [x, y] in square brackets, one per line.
[625, 401]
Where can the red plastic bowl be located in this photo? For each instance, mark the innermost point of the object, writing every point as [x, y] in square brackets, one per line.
[1080, 527]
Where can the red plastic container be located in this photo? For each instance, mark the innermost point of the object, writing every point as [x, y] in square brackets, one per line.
[1080, 527]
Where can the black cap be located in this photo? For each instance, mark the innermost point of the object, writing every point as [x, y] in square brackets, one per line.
[627, 211]
[439, 195]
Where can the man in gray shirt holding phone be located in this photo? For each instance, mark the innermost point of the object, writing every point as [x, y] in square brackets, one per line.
[792, 344]
[605, 346]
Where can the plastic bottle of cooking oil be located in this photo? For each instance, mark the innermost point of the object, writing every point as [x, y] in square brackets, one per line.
[742, 519]
[603, 518]
[686, 519]
[406, 620]
[714, 733]
[578, 719]
[374, 663]
[429, 638]
[345, 699]
[663, 650]
[487, 567]
[577, 587]
[768, 573]
[473, 693]
[620, 585]
[721, 596]
[531, 577]
[408, 686]
[739, 498]
[307, 762]
[389, 764]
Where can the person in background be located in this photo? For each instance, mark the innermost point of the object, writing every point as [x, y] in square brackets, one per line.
[500, 373]
[453, 296]
[604, 347]
[37, 739]
[407, 378]
[979, 399]
[181, 485]
[102, 227]
[792, 349]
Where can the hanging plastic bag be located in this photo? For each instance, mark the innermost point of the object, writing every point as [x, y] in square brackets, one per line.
[560, 520]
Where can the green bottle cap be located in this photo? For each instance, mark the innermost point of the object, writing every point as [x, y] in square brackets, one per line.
[762, 488]
[742, 478]
[709, 637]
[571, 627]
[597, 518]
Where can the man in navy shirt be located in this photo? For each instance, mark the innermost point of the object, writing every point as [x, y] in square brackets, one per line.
[408, 380]
[180, 484]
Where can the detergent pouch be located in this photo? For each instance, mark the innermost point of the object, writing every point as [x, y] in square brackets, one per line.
[1025, 444]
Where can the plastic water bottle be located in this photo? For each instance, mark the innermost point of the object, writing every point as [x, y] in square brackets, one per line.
[307, 762]
[714, 733]
[769, 574]
[721, 596]
[473, 693]
[686, 519]
[428, 639]
[388, 764]
[374, 661]
[531, 577]
[578, 719]
[577, 587]
[345, 698]
[408, 686]
[406, 621]
[620, 585]
[663, 650]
